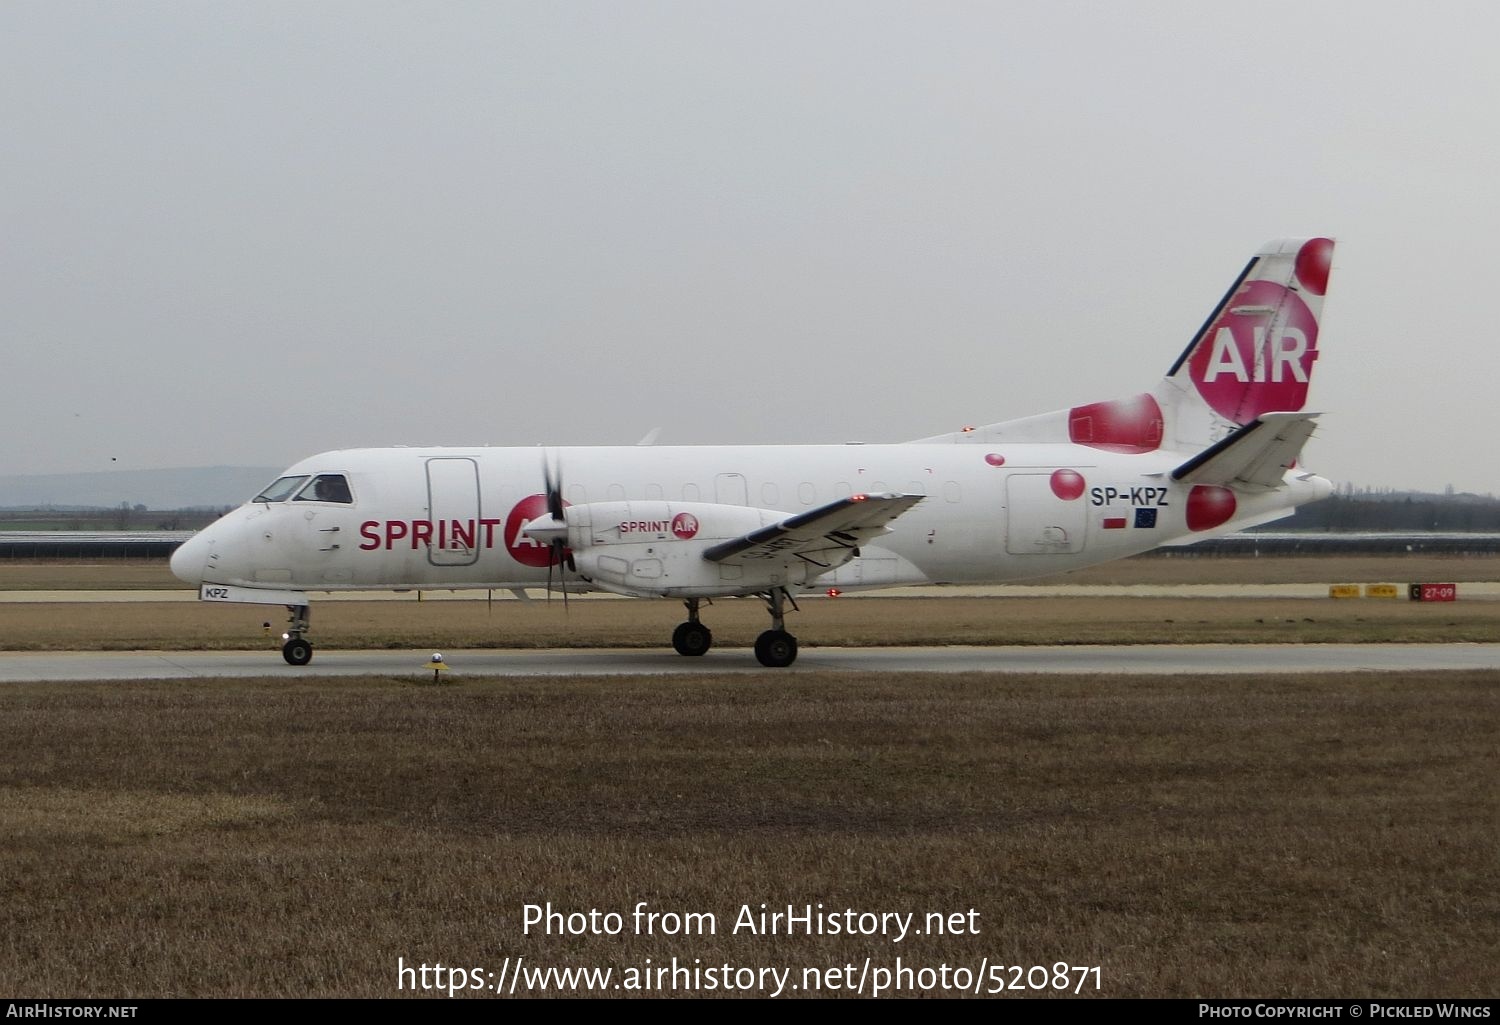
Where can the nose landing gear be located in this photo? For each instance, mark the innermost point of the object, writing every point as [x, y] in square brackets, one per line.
[297, 650]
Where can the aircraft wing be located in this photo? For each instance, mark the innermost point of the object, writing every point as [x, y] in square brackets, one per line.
[1253, 458]
[827, 534]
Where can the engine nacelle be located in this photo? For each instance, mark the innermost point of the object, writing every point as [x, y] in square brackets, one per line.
[655, 548]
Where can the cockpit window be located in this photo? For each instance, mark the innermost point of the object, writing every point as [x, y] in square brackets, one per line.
[280, 490]
[326, 487]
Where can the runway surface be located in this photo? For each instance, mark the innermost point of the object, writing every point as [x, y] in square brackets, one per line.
[1192, 659]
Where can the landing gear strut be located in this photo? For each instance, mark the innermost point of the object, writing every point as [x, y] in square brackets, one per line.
[297, 650]
[692, 638]
[776, 649]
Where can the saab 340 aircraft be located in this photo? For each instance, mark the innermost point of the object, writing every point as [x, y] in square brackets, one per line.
[1212, 448]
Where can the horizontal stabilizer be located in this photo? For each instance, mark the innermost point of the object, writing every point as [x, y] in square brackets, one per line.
[836, 528]
[1253, 458]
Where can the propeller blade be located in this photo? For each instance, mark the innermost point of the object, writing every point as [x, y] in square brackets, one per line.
[557, 551]
[552, 481]
[560, 558]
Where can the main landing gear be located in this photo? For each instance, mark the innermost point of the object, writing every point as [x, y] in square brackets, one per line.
[297, 650]
[775, 648]
[692, 638]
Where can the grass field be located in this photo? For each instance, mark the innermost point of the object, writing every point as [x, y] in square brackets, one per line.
[1242, 836]
[1256, 837]
[854, 621]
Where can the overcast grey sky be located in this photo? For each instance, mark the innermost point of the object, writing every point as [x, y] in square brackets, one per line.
[241, 233]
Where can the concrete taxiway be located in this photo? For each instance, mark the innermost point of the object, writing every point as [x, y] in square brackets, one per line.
[1191, 659]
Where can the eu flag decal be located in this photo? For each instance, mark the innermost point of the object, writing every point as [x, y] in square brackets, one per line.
[1145, 517]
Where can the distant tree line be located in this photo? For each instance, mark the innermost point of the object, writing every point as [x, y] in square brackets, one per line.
[121, 517]
[1350, 510]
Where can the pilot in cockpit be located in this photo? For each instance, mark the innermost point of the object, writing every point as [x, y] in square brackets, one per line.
[332, 488]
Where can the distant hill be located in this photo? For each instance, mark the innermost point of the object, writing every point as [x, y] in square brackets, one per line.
[188, 488]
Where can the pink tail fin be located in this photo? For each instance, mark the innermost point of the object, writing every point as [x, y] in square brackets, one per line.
[1256, 352]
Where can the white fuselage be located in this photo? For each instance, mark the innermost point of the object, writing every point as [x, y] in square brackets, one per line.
[453, 517]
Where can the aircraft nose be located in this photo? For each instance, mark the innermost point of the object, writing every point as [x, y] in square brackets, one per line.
[187, 561]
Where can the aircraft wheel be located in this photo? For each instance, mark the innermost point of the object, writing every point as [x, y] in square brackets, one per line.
[297, 652]
[776, 649]
[692, 638]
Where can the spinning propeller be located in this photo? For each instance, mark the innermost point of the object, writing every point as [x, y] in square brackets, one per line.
[558, 554]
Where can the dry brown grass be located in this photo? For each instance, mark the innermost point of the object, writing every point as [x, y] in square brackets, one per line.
[1328, 836]
[86, 575]
[847, 621]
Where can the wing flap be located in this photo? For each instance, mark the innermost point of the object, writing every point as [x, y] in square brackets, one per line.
[835, 529]
[1253, 458]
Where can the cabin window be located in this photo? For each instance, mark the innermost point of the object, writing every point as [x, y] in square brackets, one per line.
[281, 489]
[327, 487]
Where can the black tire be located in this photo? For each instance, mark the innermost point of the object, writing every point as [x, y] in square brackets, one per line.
[776, 649]
[297, 652]
[692, 639]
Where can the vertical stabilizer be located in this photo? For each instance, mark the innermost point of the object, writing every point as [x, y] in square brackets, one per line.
[1256, 352]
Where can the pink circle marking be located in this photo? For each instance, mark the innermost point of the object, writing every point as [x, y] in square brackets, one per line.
[1257, 356]
[527, 551]
[1067, 484]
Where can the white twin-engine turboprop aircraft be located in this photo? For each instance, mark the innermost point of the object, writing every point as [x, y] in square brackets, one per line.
[1211, 449]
